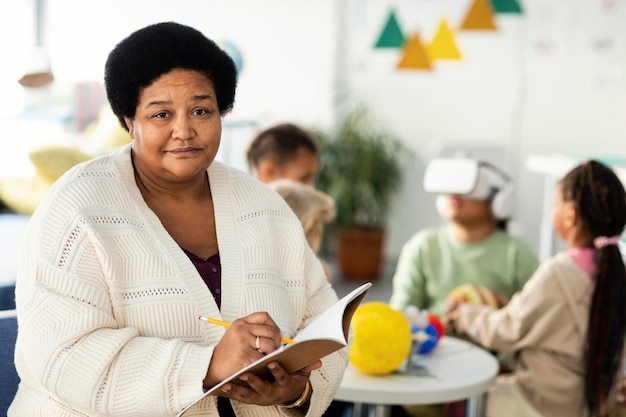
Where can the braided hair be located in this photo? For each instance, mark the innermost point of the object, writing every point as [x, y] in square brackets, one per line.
[600, 201]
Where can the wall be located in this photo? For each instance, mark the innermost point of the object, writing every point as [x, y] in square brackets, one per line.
[287, 46]
[288, 51]
[16, 24]
[549, 79]
[471, 101]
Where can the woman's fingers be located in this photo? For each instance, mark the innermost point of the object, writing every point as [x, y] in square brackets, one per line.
[253, 390]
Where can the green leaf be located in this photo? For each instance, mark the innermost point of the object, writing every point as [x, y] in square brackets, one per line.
[361, 168]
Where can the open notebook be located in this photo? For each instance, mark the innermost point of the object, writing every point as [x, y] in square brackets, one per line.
[327, 333]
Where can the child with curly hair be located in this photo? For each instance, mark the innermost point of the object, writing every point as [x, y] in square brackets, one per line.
[314, 209]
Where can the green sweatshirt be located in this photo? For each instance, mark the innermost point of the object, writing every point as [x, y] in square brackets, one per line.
[432, 263]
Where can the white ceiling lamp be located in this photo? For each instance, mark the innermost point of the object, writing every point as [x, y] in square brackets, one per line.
[37, 70]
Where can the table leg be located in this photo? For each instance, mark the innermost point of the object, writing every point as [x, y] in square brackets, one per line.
[357, 409]
[475, 406]
[380, 410]
[371, 410]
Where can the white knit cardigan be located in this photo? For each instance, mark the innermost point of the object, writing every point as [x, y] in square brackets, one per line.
[108, 303]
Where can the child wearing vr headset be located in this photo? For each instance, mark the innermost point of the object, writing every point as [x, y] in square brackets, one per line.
[476, 199]
[566, 327]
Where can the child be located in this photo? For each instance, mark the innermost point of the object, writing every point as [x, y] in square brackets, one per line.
[473, 248]
[476, 199]
[314, 209]
[283, 151]
[566, 326]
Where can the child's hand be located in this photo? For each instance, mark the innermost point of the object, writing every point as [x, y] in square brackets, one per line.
[452, 310]
[500, 298]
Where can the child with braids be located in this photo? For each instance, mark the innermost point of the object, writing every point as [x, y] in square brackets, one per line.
[566, 326]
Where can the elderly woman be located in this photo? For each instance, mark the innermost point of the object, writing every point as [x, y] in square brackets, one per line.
[128, 249]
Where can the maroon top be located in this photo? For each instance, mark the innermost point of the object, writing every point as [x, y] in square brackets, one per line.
[210, 270]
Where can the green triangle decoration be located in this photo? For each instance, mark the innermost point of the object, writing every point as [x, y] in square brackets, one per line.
[391, 36]
[506, 6]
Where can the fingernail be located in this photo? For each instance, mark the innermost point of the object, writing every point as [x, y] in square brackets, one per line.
[226, 388]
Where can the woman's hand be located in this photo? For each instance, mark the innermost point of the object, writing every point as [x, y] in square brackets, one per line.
[284, 389]
[245, 341]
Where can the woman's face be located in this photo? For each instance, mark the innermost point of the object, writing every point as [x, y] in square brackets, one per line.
[177, 127]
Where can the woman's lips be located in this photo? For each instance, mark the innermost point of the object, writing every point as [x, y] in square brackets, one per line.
[184, 151]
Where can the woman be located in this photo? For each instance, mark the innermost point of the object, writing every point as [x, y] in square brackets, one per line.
[127, 250]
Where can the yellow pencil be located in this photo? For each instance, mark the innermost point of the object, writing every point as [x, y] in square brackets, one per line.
[227, 324]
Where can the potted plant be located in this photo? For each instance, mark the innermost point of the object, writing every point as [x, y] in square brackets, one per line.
[361, 168]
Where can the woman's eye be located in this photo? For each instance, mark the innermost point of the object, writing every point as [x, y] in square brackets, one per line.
[160, 115]
[200, 112]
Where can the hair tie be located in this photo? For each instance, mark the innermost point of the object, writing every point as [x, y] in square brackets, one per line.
[602, 241]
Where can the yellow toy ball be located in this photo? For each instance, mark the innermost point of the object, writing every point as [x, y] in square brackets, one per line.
[382, 338]
[475, 294]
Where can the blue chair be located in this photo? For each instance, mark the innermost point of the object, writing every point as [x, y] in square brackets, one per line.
[12, 227]
[8, 375]
[7, 297]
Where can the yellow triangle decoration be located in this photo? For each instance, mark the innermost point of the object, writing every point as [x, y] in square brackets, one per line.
[479, 17]
[443, 45]
[414, 55]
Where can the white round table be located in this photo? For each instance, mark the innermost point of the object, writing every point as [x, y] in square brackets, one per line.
[455, 370]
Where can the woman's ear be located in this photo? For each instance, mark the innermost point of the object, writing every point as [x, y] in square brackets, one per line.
[129, 125]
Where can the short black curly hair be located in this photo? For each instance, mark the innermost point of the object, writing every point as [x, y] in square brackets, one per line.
[142, 57]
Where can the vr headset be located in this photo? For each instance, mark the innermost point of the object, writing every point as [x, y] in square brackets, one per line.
[472, 179]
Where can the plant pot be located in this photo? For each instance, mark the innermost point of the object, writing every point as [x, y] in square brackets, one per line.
[359, 252]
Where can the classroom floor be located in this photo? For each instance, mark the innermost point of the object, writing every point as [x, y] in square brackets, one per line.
[380, 289]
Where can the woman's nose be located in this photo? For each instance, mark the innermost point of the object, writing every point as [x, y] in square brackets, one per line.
[182, 127]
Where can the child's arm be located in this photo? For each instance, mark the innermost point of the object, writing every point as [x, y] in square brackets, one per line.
[409, 282]
[530, 315]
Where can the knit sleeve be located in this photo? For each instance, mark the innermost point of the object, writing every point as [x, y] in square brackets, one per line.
[71, 344]
[326, 380]
[320, 296]
[104, 326]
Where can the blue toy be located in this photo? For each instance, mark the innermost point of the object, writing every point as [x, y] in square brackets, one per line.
[426, 330]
